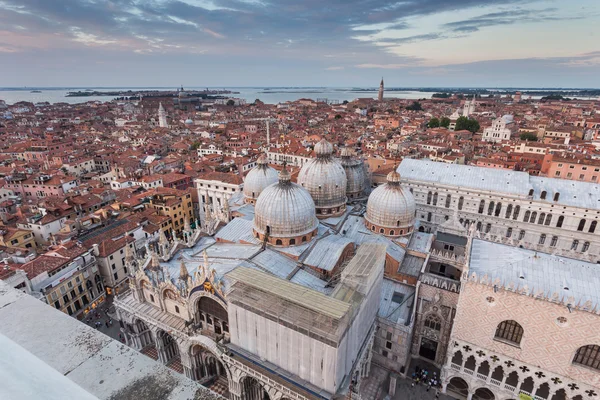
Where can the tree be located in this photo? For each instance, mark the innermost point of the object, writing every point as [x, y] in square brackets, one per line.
[445, 122]
[529, 136]
[345, 102]
[415, 106]
[195, 145]
[433, 123]
[464, 123]
[338, 116]
[230, 102]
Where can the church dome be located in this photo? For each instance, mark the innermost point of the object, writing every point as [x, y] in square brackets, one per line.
[355, 173]
[285, 213]
[258, 179]
[325, 179]
[391, 208]
[189, 121]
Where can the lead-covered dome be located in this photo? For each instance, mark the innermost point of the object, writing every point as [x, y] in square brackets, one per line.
[355, 174]
[325, 179]
[258, 179]
[391, 208]
[285, 213]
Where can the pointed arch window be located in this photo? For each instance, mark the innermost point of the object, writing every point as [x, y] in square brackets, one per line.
[498, 209]
[461, 201]
[509, 331]
[491, 208]
[435, 199]
[593, 227]
[560, 221]
[429, 198]
[434, 322]
[581, 225]
[548, 219]
[526, 217]
[448, 200]
[588, 356]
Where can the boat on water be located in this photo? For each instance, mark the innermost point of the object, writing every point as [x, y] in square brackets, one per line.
[36, 91]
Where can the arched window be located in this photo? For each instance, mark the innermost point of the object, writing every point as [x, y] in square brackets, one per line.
[586, 246]
[428, 217]
[553, 241]
[488, 228]
[498, 209]
[435, 198]
[303, 238]
[292, 241]
[448, 200]
[278, 242]
[531, 192]
[581, 225]
[542, 238]
[541, 219]
[491, 208]
[560, 221]
[548, 219]
[434, 322]
[526, 217]
[588, 356]
[429, 198]
[556, 196]
[481, 206]
[517, 212]
[381, 230]
[593, 227]
[392, 232]
[509, 232]
[509, 331]
[479, 225]
[575, 244]
[461, 201]
[509, 209]
[398, 223]
[521, 235]
[533, 217]
[543, 195]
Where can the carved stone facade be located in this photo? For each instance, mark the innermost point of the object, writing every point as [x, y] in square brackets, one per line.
[436, 308]
[540, 362]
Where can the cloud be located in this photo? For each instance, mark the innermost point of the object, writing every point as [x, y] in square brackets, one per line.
[383, 66]
[508, 17]
[337, 68]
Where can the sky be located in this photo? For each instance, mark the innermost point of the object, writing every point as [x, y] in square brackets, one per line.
[341, 43]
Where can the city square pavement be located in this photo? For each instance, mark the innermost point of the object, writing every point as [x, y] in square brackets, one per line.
[376, 386]
[102, 314]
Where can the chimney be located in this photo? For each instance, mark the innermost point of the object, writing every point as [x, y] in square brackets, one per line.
[95, 250]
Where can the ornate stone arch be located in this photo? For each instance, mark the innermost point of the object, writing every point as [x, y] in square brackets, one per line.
[195, 298]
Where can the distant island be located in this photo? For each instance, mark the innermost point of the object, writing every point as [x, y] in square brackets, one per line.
[447, 92]
[147, 93]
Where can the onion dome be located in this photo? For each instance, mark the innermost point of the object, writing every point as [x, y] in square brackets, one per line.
[391, 208]
[325, 179]
[284, 214]
[355, 174]
[258, 179]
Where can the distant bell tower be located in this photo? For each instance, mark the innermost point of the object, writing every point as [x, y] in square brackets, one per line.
[380, 95]
[162, 116]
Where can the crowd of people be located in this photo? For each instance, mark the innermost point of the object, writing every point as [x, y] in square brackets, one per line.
[423, 377]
